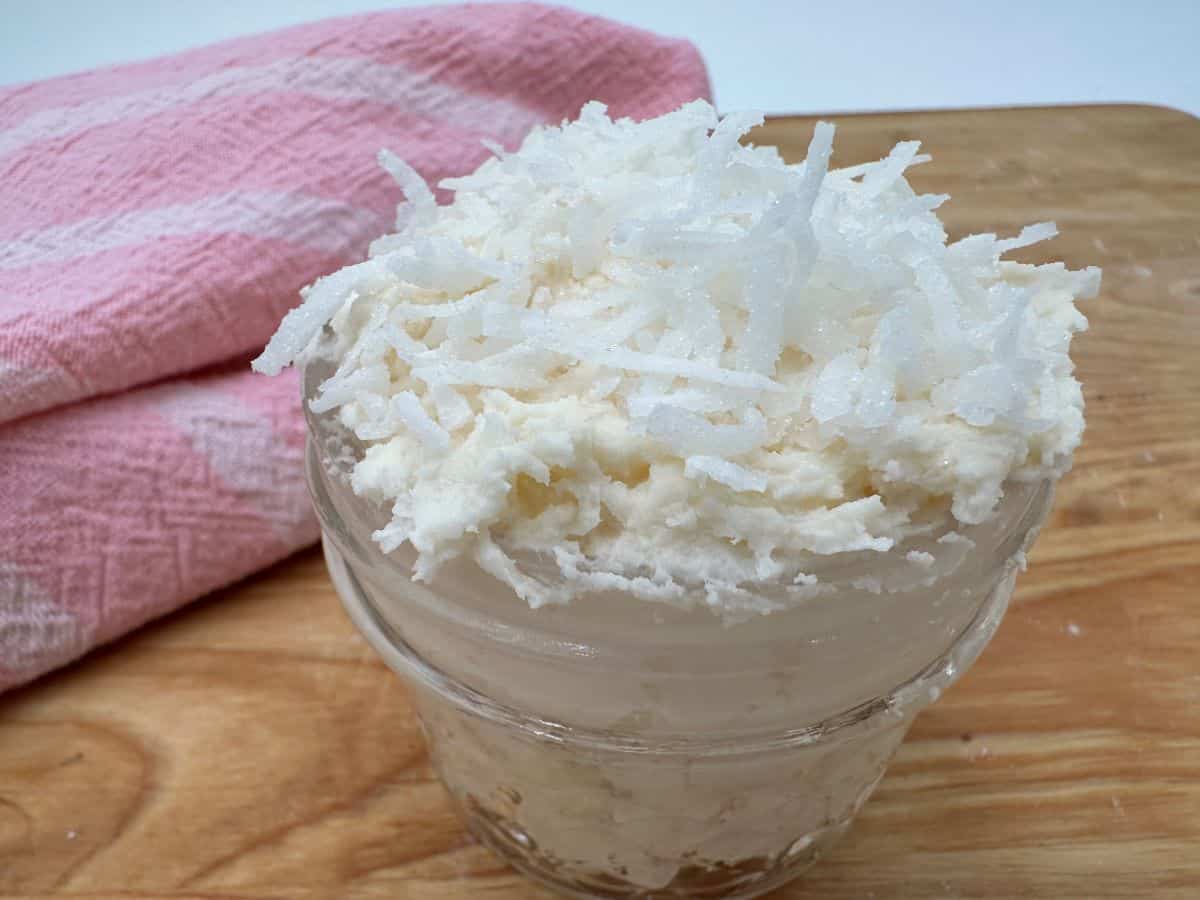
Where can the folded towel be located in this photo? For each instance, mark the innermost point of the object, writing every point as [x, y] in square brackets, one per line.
[159, 218]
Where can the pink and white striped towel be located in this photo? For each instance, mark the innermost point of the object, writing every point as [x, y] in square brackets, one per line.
[159, 218]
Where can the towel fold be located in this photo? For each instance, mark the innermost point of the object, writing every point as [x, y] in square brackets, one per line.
[159, 218]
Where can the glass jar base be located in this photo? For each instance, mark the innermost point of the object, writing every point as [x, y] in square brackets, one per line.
[694, 878]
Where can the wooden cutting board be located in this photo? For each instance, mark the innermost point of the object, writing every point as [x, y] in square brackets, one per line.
[253, 746]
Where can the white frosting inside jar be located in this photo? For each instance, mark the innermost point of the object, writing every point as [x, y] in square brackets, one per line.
[660, 359]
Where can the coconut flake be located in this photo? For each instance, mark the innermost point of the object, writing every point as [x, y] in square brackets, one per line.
[1030, 234]
[421, 206]
[690, 434]
[453, 410]
[634, 361]
[889, 171]
[725, 472]
[320, 301]
[342, 389]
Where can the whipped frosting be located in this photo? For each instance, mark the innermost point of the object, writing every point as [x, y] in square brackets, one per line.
[665, 362]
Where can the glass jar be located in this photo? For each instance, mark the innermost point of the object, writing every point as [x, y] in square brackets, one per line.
[613, 747]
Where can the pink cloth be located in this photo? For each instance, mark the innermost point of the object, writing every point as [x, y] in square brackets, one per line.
[160, 217]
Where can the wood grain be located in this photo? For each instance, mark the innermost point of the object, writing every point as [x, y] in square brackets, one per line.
[252, 746]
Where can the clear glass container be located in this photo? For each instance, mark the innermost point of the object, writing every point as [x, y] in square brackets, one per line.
[618, 748]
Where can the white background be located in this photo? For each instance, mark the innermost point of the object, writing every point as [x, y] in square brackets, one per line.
[794, 56]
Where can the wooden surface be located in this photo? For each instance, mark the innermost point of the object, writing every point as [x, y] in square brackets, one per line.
[253, 746]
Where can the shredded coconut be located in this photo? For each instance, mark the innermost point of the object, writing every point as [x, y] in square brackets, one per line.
[661, 357]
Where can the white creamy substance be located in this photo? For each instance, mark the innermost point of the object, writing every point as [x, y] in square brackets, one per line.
[673, 365]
